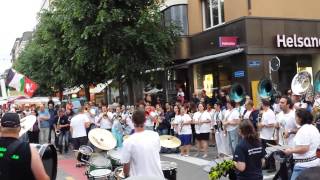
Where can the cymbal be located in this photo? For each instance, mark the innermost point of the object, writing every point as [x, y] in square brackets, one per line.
[26, 124]
[102, 139]
[169, 141]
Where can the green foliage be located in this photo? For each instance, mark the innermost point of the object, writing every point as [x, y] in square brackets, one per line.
[90, 41]
[221, 169]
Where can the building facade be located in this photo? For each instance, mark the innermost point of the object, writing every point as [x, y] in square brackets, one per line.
[229, 41]
[19, 45]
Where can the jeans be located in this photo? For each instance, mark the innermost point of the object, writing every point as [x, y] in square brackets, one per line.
[163, 131]
[233, 139]
[64, 135]
[43, 136]
[296, 172]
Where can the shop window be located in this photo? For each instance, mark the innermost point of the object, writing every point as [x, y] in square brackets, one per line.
[212, 13]
[179, 16]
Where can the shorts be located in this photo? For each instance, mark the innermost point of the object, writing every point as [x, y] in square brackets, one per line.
[203, 136]
[185, 139]
[77, 142]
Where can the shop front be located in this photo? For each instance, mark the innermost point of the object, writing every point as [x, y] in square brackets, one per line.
[240, 51]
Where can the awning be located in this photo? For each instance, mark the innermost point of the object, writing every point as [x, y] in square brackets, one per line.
[100, 87]
[210, 57]
[73, 90]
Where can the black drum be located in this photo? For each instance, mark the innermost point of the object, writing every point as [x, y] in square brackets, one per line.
[84, 153]
[48, 155]
[169, 170]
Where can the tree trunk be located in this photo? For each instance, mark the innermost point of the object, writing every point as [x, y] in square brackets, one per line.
[121, 101]
[87, 92]
[60, 93]
[131, 93]
[105, 95]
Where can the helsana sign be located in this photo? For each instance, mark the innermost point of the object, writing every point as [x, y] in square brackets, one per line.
[284, 41]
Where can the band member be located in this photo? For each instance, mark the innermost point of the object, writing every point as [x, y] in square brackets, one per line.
[267, 130]
[221, 139]
[212, 142]
[62, 128]
[286, 122]
[184, 131]
[120, 128]
[105, 119]
[140, 152]
[231, 123]
[202, 121]
[175, 120]
[78, 126]
[249, 154]
[306, 142]
[18, 159]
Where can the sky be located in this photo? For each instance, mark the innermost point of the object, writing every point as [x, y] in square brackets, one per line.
[16, 17]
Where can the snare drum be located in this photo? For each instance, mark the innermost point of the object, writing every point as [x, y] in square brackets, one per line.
[118, 173]
[169, 170]
[100, 174]
[48, 154]
[115, 156]
[84, 153]
[99, 161]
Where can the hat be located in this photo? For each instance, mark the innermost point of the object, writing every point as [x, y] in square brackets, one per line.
[10, 120]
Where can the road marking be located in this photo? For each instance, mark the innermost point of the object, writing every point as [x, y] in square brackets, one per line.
[69, 178]
[189, 159]
[270, 176]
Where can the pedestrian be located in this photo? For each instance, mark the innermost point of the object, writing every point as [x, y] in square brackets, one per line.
[43, 120]
[19, 160]
[180, 96]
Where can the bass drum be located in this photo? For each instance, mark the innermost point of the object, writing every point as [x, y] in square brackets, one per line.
[48, 155]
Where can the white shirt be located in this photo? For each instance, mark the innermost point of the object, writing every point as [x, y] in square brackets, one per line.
[141, 150]
[213, 122]
[78, 125]
[177, 118]
[307, 135]
[286, 122]
[247, 114]
[230, 116]
[202, 117]
[268, 117]
[105, 122]
[185, 129]
[180, 93]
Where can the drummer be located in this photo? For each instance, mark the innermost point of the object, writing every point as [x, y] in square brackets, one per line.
[17, 156]
[140, 152]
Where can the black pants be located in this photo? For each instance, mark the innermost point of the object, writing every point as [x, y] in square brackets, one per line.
[33, 137]
[270, 162]
[55, 136]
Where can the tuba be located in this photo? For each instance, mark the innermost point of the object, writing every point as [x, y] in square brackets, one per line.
[301, 84]
[237, 92]
[265, 88]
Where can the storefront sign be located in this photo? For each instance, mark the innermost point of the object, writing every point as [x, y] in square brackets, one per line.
[239, 74]
[254, 63]
[228, 41]
[295, 41]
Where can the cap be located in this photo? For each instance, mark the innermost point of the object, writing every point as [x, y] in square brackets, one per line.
[10, 120]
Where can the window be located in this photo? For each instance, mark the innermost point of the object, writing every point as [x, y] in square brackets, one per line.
[212, 12]
[177, 15]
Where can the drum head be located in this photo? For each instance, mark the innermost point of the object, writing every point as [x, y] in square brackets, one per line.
[99, 160]
[166, 165]
[48, 155]
[86, 150]
[100, 172]
[115, 154]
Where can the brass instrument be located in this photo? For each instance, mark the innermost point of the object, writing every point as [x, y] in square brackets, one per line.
[57, 130]
[237, 92]
[265, 88]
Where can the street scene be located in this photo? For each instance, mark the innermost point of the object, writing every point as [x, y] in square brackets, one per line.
[159, 90]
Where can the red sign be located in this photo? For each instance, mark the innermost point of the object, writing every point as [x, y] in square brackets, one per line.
[228, 41]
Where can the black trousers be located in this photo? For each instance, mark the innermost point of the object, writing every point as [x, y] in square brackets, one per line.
[270, 162]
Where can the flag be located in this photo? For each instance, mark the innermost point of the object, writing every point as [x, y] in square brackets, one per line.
[15, 80]
[29, 87]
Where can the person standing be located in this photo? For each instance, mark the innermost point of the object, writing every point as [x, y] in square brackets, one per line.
[105, 119]
[19, 160]
[249, 154]
[306, 142]
[202, 121]
[180, 96]
[62, 125]
[267, 131]
[231, 123]
[164, 125]
[184, 131]
[43, 120]
[33, 133]
[140, 153]
[52, 114]
[212, 124]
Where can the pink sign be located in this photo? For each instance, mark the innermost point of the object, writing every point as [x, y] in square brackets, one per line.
[228, 41]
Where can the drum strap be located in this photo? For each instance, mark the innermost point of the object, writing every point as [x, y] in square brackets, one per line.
[12, 148]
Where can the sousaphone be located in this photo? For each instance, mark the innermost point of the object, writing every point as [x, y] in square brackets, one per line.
[301, 84]
[265, 88]
[237, 92]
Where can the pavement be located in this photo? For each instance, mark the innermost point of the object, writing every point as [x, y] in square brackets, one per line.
[188, 168]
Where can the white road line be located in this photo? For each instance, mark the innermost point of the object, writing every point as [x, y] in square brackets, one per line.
[192, 160]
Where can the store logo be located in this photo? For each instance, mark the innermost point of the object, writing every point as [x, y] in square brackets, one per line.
[295, 41]
[228, 41]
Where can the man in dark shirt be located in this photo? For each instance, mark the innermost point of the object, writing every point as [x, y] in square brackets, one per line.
[18, 160]
[252, 157]
[62, 129]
